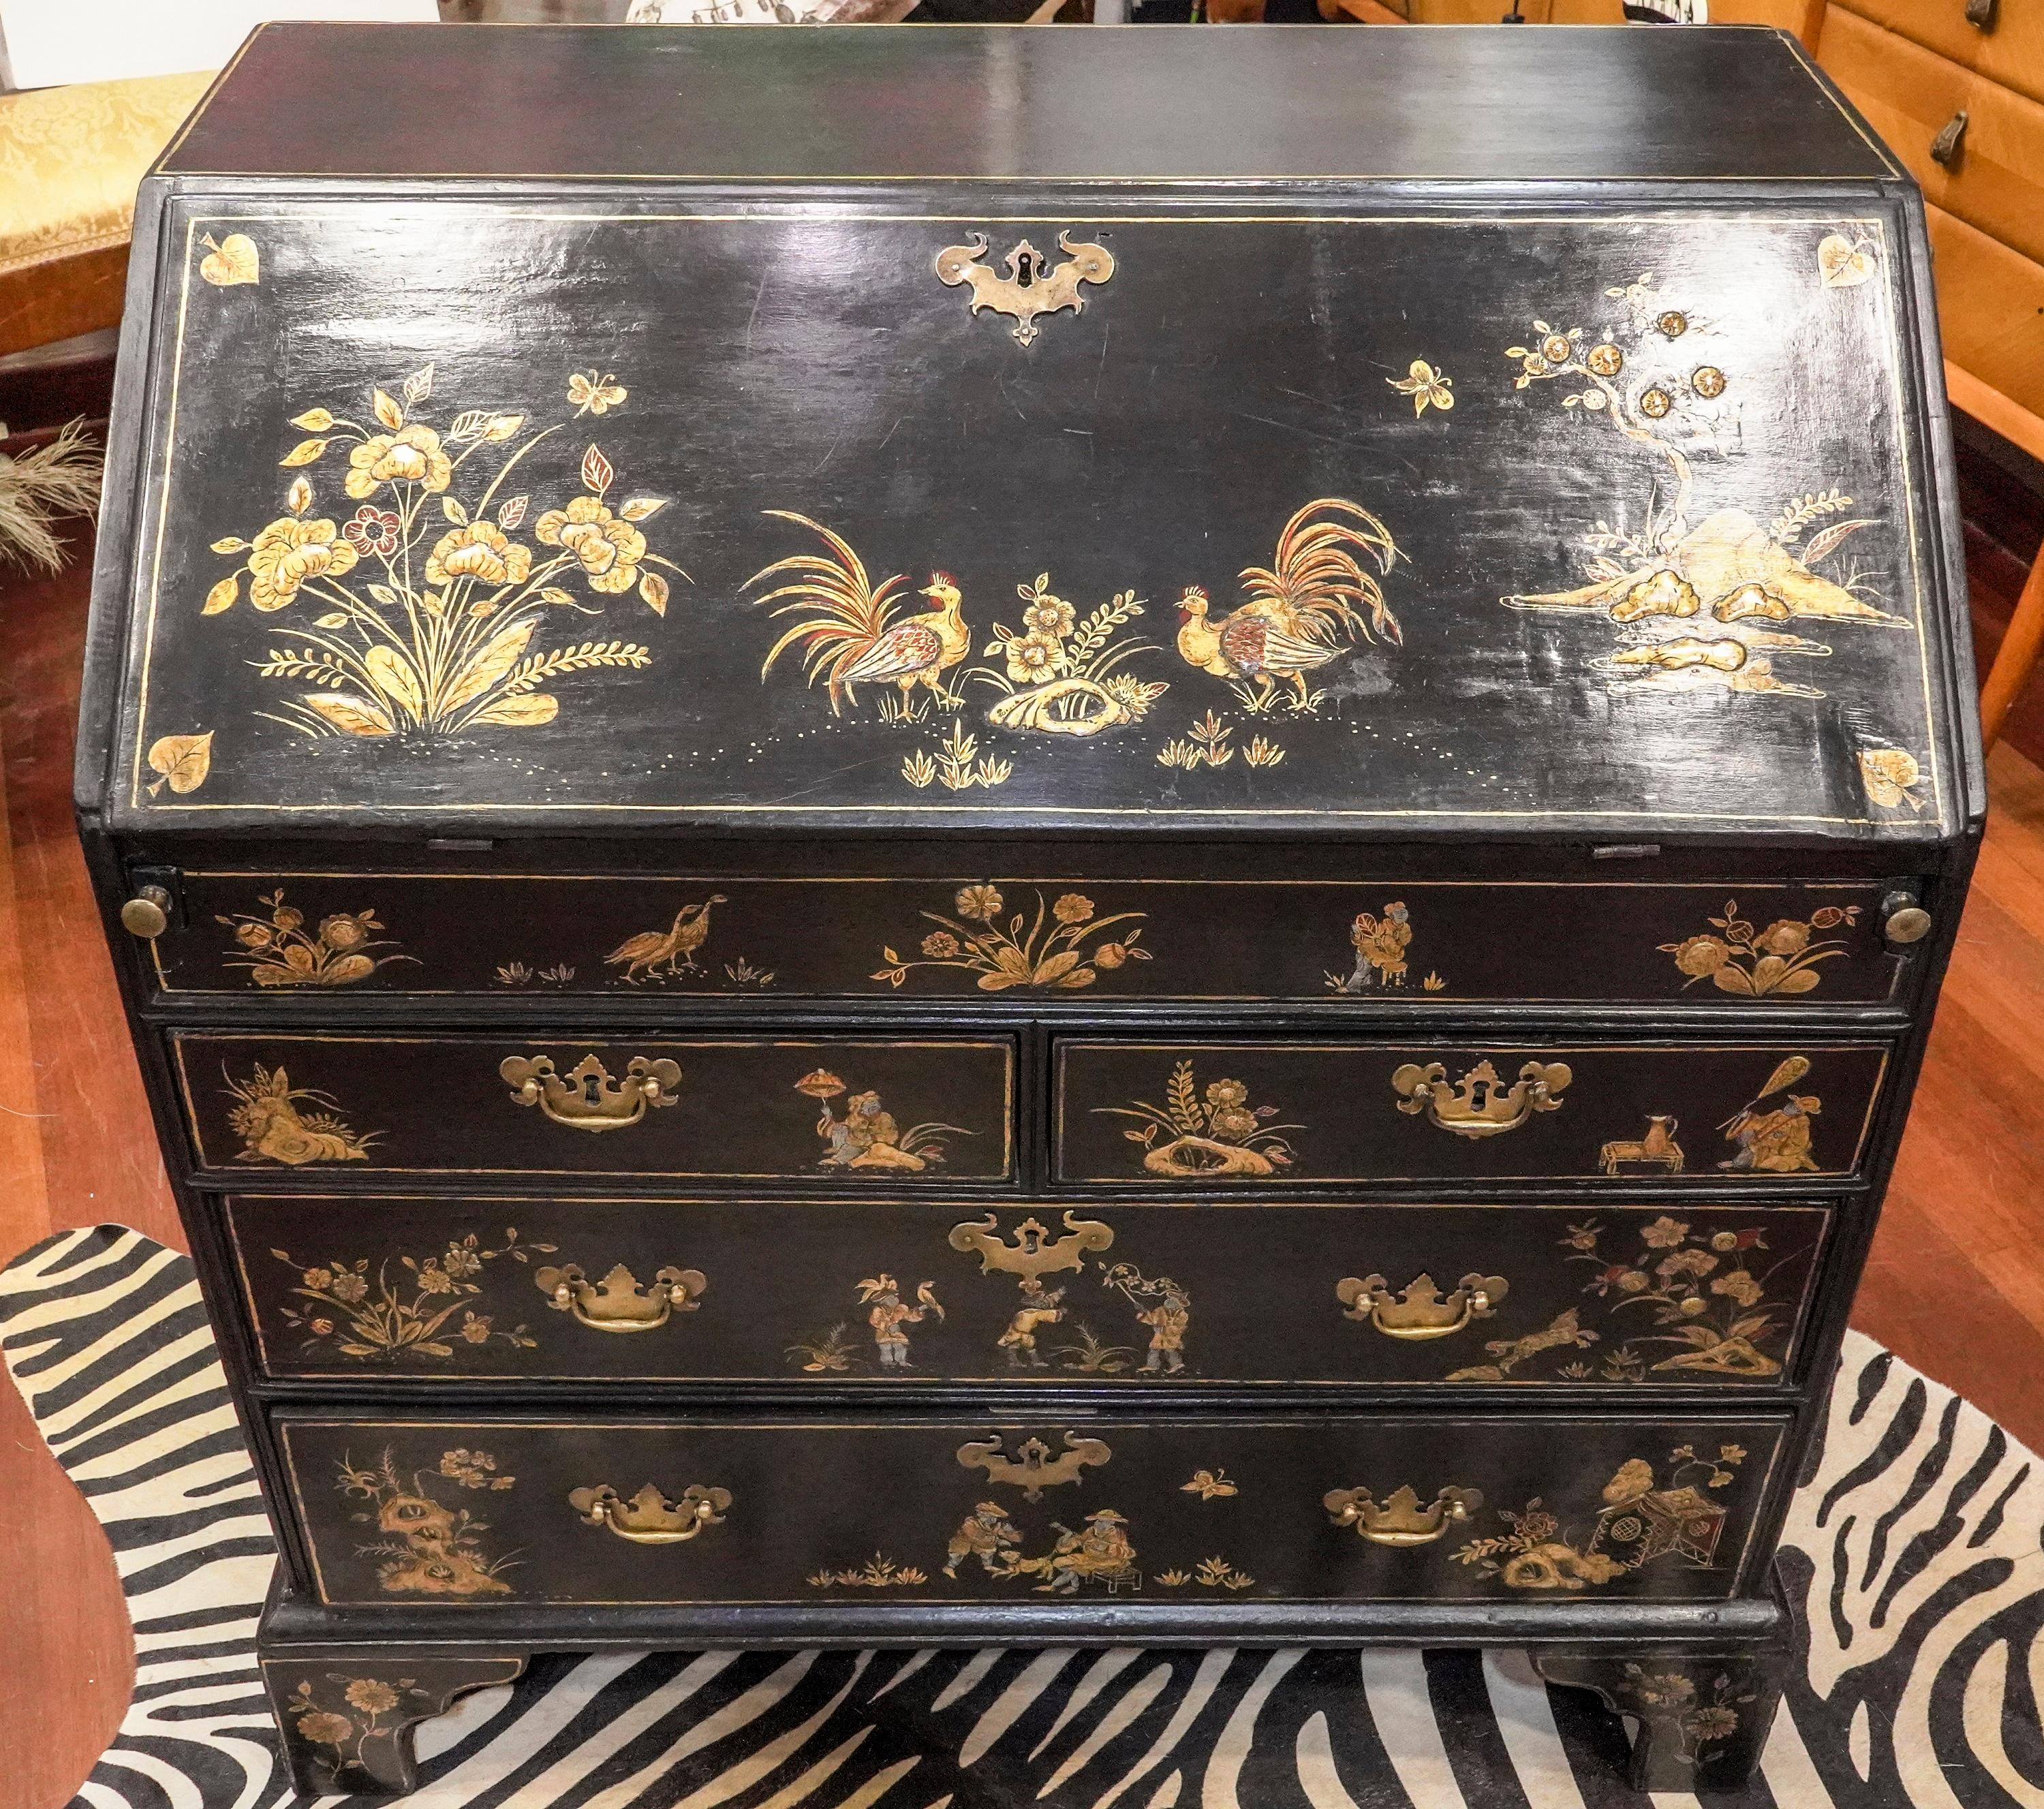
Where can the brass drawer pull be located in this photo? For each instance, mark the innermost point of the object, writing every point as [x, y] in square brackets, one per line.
[649, 1517]
[587, 1098]
[1480, 1104]
[618, 1303]
[1945, 148]
[1399, 1519]
[1417, 1311]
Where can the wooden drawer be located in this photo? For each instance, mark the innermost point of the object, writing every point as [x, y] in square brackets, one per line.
[2011, 52]
[332, 936]
[843, 1110]
[1991, 309]
[1634, 1114]
[459, 1512]
[816, 1293]
[1996, 179]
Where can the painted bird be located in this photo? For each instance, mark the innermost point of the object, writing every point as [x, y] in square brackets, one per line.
[1245, 645]
[675, 945]
[918, 650]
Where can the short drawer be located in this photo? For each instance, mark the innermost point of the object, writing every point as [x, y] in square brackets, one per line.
[332, 936]
[842, 1110]
[1993, 177]
[2009, 47]
[1134, 1294]
[459, 1512]
[1629, 1114]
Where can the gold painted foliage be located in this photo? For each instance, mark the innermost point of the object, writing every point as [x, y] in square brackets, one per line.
[279, 949]
[1754, 962]
[1052, 952]
[266, 1114]
[411, 1317]
[429, 611]
[428, 1549]
[184, 760]
[1218, 1132]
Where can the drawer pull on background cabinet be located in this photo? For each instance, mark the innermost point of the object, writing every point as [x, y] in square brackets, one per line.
[1983, 14]
[1399, 1519]
[587, 1098]
[1945, 148]
[618, 1303]
[649, 1517]
[1480, 1104]
[1417, 1311]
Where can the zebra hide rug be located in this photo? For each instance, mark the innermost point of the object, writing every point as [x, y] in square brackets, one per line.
[1913, 1558]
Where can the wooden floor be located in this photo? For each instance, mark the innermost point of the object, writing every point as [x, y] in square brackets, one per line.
[1956, 1284]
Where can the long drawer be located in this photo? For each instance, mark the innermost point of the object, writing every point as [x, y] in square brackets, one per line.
[330, 935]
[1138, 1295]
[2008, 48]
[1262, 1114]
[458, 1512]
[844, 1111]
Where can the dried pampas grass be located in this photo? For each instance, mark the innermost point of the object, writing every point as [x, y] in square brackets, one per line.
[60, 478]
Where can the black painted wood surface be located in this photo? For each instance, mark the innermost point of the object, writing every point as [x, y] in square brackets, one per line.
[384, 1291]
[1397, 941]
[449, 1513]
[972, 103]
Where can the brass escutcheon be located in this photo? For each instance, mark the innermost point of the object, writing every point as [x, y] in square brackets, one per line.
[1033, 286]
[618, 1303]
[649, 1517]
[1480, 1104]
[1032, 1467]
[1417, 1311]
[587, 1098]
[1034, 1252]
[1399, 1519]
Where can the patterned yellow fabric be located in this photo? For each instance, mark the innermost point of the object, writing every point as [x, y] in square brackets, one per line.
[69, 160]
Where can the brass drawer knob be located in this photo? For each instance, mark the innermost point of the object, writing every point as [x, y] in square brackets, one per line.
[148, 914]
[618, 1303]
[1417, 1311]
[649, 1517]
[1399, 1519]
[1480, 1104]
[1907, 924]
[586, 1098]
[1945, 148]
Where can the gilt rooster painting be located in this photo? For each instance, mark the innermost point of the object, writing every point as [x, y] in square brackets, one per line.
[848, 630]
[1302, 611]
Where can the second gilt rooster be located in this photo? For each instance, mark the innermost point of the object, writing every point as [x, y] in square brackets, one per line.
[1301, 611]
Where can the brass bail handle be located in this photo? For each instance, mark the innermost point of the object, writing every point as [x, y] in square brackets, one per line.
[1417, 1312]
[586, 1098]
[1480, 1104]
[1398, 1520]
[618, 1303]
[649, 1517]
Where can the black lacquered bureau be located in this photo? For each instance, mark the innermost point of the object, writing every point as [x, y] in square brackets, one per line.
[1028, 836]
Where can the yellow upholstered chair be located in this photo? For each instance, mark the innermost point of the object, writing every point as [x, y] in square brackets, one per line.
[70, 158]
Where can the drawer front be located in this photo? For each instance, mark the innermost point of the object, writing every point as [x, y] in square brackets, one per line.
[1994, 179]
[1032, 939]
[2011, 50]
[1990, 309]
[1134, 1294]
[463, 1512]
[1259, 1113]
[843, 1110]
